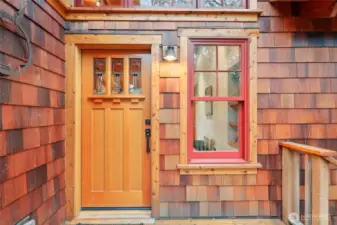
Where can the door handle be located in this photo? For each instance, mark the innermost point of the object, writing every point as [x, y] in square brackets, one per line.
[148, 135]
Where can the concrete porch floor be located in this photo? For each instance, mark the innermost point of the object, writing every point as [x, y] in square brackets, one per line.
[143, 217]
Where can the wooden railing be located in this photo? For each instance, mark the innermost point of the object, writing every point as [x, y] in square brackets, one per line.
[316, 189]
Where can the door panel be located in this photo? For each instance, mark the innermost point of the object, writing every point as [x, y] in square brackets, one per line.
[115, 105]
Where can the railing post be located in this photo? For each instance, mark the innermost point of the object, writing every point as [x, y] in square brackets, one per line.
[320, 191]
[290, 184]
[308, 190]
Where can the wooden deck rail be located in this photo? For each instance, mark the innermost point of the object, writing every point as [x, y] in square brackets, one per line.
[316, 183]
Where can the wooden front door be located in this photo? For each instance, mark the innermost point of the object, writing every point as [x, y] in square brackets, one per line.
[115, 106]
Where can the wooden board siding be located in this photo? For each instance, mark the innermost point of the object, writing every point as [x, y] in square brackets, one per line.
[32, 118]
[296, 86]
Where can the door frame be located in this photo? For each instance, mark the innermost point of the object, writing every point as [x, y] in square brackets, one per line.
[75, 43]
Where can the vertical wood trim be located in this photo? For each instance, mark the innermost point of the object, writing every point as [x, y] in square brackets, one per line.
[155, 52]
[320, 191]
[296, 182]
[78, 129]
[308, 189]
[73, 130]
[252, 4]
[253, 99]
[183, 99]
[287, 182]
[70, 129]
[68, 2]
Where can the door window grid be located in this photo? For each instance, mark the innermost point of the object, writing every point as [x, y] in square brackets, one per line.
[118, 82]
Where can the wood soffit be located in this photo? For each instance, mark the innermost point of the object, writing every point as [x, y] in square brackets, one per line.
[135, 14]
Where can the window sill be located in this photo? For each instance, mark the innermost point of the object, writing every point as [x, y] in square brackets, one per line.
[206, 169]
[161, 10]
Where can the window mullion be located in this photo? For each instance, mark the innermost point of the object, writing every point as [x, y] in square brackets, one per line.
[217, 73]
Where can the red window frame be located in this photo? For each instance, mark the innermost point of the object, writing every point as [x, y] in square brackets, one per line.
[196, 4]
[242, 156]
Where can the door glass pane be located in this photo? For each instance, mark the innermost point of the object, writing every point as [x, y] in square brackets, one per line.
[117, 78]
[204, 84]
[229, 84]
[135, 77]
[99, 76]
[205, 58]
[215, 126]
[229, 58]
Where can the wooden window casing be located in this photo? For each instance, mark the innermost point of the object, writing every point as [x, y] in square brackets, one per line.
[242, 155]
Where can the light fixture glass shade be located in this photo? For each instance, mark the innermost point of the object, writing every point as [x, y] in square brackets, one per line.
[170, 54]
[98, 2]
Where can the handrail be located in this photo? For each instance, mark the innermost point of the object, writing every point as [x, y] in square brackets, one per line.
[316, 186]
[308, 149]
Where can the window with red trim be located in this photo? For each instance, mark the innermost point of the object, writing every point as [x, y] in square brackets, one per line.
[163, 3]
[218, 101]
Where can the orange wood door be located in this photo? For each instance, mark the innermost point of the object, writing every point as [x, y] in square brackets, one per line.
[115, 105]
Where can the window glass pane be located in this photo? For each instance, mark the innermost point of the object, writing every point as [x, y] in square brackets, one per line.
[204, 84]
[223, 3]
[183, 3]
[229, 58]
[213, 3]
[161, 3]
[229, 84]
[99, 76]
[215, 126]
[233, 3]
[117, 78]
[135, 79]
[205, 58]
[94, 3]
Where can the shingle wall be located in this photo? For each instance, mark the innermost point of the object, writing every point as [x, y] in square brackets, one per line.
[297, 83]
[32, 118]
[296, 101]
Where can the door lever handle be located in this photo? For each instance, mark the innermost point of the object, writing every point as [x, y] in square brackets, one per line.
[148, 135]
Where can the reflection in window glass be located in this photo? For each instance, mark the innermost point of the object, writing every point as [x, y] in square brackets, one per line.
[223, 3]
[135, 79]
[229, 84]
[162, 3]
[204, 84]
[117, 84]
[229, 58]
[205, 58]
[99, 76]
[215, 126]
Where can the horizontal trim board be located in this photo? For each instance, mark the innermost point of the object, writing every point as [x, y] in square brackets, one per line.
[112, 39]
[114, 208]
[168, 16]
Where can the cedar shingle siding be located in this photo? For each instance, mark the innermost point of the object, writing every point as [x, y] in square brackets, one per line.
[32, 180]
[297, 101]
[297, 85]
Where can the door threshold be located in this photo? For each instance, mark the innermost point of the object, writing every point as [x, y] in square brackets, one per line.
[109, 217]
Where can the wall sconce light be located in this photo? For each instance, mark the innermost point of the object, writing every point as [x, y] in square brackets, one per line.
[170, 53]
[98, 2]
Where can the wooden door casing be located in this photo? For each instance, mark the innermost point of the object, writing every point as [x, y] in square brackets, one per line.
[115, 164]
